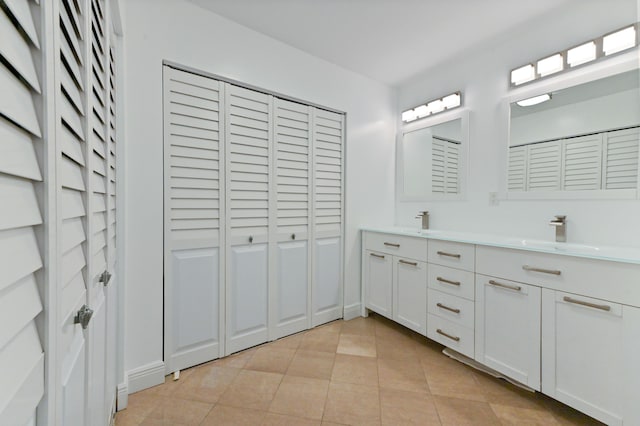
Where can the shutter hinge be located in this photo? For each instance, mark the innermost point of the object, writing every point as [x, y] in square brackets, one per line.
[83, 316]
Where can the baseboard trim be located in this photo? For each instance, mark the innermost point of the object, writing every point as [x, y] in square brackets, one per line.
[352, 311]
[122, 398]
[146, 376]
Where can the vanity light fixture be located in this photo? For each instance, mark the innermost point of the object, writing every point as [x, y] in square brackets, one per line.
[534, 100]
[593, 50]
[435, 106]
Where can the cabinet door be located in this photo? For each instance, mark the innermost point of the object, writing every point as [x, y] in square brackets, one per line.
[378, 283]
[507, 328]
[410, 294]
[590, 353]
[247, 293]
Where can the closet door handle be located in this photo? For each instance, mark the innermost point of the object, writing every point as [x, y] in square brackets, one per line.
[507, 286]
[293, 236]
[392, 245]
[457, 339]
[588, 304]
[444, 253]
[454, 310]
[377, 255]
[544, 271]
[408, 263]
[250, 238]
[443, 280]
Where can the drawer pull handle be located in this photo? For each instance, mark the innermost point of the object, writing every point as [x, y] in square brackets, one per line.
[588, 304]
[544, 271]
[392, 245]
[408, 263]
[444, 253]
[454, 310]
[457, 339]
[446, 281]
[377, 255]
[507, 286]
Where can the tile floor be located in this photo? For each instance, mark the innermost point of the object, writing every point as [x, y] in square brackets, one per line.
[367, 371]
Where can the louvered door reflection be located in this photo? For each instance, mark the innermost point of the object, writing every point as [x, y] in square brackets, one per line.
[73, 197]
[291, 295]
[544, 166]
[21, 182]
[444, 166]
[248, 134]
[621, 159]
[517, 169]
[328, 204]
[193, 207]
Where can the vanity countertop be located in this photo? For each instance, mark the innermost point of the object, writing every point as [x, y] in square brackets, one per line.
[609, 253]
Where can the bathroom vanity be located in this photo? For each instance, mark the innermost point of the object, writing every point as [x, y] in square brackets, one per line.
[563, 319]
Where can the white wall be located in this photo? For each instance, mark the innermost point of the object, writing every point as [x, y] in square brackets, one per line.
[483, 77]
[179, 31]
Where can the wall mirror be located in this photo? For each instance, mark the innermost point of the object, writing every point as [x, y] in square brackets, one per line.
[432, 158]
[577, 142]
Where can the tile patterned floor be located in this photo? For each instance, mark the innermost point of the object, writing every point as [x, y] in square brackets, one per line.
[367, 371]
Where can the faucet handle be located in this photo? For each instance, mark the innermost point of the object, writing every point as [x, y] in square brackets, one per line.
[560, 217]
[422, 213]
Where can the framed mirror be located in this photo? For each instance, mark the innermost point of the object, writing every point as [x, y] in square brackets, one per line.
[577, 141]
[432, 157]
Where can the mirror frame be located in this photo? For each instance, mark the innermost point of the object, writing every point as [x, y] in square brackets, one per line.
[463, 162]
[599, 70]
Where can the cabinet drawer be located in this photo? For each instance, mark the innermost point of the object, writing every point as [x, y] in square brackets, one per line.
[455, 309]
[613, 281]
[452, 281]
[450, 334]
[397, 245]
[456, 255]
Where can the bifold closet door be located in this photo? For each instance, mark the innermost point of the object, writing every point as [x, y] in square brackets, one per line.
[291, 296]
[22, 183]
[193, 209]
[328, 208]
[248, 117]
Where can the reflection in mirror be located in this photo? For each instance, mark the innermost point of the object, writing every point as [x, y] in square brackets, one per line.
[431, 160]
[577, 139]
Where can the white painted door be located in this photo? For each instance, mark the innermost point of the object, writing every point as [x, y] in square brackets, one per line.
[248, 140]
[291, 295]
[328, 210]
[590, 353]
[193, 207]
[507, 328]
[410, 294]
[379, 283]
[21, 218]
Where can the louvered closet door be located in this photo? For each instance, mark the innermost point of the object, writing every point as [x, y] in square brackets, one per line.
[21, 354]
[621, 159]
[444, 173]
[291, 296]
[582, 163]
[111, 288]
[328, 210]
[544, 166]
[98, 181]
[517, 174]
[72, 209]
[248, 121]
[193, 208]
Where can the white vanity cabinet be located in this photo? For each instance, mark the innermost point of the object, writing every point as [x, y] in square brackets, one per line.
[450, 319]
[395, 278]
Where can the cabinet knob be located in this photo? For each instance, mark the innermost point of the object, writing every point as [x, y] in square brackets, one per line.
[293, 236]
[250, 238]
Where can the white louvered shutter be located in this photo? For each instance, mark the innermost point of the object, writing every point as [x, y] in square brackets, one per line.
[452, 183]
[444, 166]
[621, 159]
[290, 305]
[194, 182]
[21, 354]
[328, 207]
[72, 208]
[248, 120]
[582, 157]
[544, 166]
[111, 169]
[517, 173]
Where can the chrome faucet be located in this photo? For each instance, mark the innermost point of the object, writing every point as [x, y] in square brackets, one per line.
[425, 219]
[561, 228]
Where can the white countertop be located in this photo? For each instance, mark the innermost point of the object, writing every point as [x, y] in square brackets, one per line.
[614, 254]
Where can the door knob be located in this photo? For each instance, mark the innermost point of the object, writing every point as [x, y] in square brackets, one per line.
[251, 238]
[83, 316]
[293, 236]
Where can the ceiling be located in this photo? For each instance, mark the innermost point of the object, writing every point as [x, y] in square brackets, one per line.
[387, 40]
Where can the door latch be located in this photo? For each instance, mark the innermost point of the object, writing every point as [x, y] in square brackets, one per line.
[104, 278]
[83, 316]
